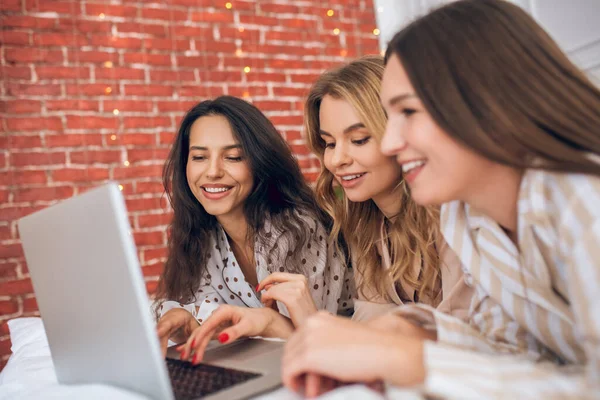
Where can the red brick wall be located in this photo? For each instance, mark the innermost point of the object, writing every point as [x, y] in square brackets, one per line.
[92, 91]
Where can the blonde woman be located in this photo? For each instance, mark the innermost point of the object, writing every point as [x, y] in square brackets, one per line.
[397, 253]
[509, 142]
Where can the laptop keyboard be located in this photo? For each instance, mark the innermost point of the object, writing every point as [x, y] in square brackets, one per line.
[194, 381]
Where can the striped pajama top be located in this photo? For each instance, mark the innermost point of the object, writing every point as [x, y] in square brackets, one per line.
[533, 327]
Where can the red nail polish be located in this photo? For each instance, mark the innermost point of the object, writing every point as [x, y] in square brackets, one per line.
[257, 286]
[194, 343]
[223, 337]
[195, 359]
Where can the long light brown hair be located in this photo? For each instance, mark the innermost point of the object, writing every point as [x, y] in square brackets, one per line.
[413, 231]
[496, 82]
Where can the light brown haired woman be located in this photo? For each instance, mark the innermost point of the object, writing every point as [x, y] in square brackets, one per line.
[397, 252]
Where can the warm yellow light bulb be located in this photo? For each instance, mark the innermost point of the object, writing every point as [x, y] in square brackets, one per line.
[330, 13]
[246, 69]
[116, 112]
[376, 32]
[121, 187]
[336, 31]
[228, 6]
[108, 64]
[126, 163]
[113, 137]
[239, 52]
[101, 15]
[108, 90]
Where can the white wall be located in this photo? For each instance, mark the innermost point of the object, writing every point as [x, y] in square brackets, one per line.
[574, 24]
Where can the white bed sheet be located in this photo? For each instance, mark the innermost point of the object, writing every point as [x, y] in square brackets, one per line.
[29, 374]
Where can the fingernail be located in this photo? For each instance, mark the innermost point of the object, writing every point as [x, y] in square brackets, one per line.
[223, 337]
[257, 286]
[195, 359]
[194, 343]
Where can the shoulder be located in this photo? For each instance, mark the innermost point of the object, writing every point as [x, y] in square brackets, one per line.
[566, 195]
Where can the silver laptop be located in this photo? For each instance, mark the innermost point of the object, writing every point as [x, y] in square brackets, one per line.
[93, 301]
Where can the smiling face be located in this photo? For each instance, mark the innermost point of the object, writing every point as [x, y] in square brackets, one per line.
[217, 170]
[353, 156]
[436, 167]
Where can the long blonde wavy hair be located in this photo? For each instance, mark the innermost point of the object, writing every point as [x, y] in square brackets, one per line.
[411, 233]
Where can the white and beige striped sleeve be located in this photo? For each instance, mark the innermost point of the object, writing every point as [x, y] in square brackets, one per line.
[459, 373]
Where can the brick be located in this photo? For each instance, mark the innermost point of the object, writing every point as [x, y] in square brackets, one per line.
[287, 120]
[198, 61]
[138, 139]
[79, 175]
[171, 76]
[148, 90]
[20, 141]
[167, 14]
[59, 39]
[190, 31]
[25, 89]
[20, 72]
[154, 269]
[30, 305]
[152, 286]
[143, 204]
[59, 7]
[43, 194]
[73, 140]
[167, 138]
[93, 89]
[137, 155]
[166, 106]
[166, 44]
[150, 59]
[116, 42]
[279, 8]
[5, 346]
[90, 122]
[9, 251]
[243, 91]
[146, 29]
[20, 106]
[273, 105]
[10, 5]
[151, 220]
[251, 19]
[83, 26]
[249, 35]
[4, 329]
[144, 171]
[201, 91]
[8, 271]
[212, 46]
[149, 187]
[110, 10]
[22, 286]
[213, 17]
[289, 91]
[127, 105]
[8, 307]
[63, 72]
[32, 55]
[14, 37]
[156, 253]
[220, 76]
[78, 105]
[265, 77]
[146, 122]
[120, 73]
[95, 157]
[148, 238]
[300, 149]
[37, 158]
[34, 124]
[94, 57]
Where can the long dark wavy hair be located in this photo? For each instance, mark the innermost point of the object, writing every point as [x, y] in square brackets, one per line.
[279, 193]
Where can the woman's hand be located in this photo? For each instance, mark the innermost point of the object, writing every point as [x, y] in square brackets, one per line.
[290, 289]
[396, 324]
[348, 351]
[228, 323]
[176, 324]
